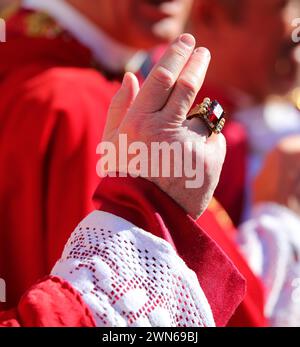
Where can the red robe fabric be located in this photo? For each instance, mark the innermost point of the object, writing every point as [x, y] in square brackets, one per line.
[218, 226]
[53, 302]
[146, 206]
[53, 109]
[48, 140]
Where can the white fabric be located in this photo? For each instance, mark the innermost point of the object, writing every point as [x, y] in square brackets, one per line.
[270, 241]
[111, 54]
[129, 277]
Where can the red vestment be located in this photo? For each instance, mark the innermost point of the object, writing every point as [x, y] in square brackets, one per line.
[230, 193]
[47, 153]
[218, 226]
[53, 302]
[53, 109]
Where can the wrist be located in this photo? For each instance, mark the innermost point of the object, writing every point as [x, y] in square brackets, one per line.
[189, 199]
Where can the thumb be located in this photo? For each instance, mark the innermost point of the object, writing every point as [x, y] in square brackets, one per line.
[120, 103]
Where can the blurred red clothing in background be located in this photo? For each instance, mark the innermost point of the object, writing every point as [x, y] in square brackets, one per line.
[53, 109]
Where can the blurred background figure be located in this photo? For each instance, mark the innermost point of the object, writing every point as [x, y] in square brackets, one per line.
[60, 67]
[254, 75]
[253, 37]
[7, 3]
[254, 59]
[58, 118]
[54, 97]
[138, 23]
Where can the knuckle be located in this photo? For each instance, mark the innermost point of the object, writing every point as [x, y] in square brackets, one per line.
[164, 77]
[179, 51]
[189, 85]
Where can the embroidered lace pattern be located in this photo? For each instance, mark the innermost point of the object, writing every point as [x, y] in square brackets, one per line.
[129, 277]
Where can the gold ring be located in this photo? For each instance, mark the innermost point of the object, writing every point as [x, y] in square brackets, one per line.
[212, 113]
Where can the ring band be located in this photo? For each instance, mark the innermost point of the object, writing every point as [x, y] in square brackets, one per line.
[212, 113]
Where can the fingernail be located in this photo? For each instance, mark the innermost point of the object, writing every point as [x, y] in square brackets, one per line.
[203, 51]
[187, 39]
[125, 79]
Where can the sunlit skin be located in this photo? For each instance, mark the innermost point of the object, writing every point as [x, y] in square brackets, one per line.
[157, 112]
[282, 186]
[138, 23]
[252, 53]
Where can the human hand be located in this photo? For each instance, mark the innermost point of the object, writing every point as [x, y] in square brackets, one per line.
[157, 112]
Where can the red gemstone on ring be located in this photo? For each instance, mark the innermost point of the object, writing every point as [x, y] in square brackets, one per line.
[215, 112]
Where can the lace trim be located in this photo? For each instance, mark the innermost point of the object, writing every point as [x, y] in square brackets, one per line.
[129, 277]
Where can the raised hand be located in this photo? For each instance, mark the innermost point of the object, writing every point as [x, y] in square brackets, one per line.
[156, 113]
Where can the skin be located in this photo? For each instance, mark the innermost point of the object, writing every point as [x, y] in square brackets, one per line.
[138, 23]
[283, 185]
[157, 112]
[252, 52]
[162, 103]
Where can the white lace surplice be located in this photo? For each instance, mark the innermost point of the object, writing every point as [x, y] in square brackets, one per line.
[129, 277]
[270, 241]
